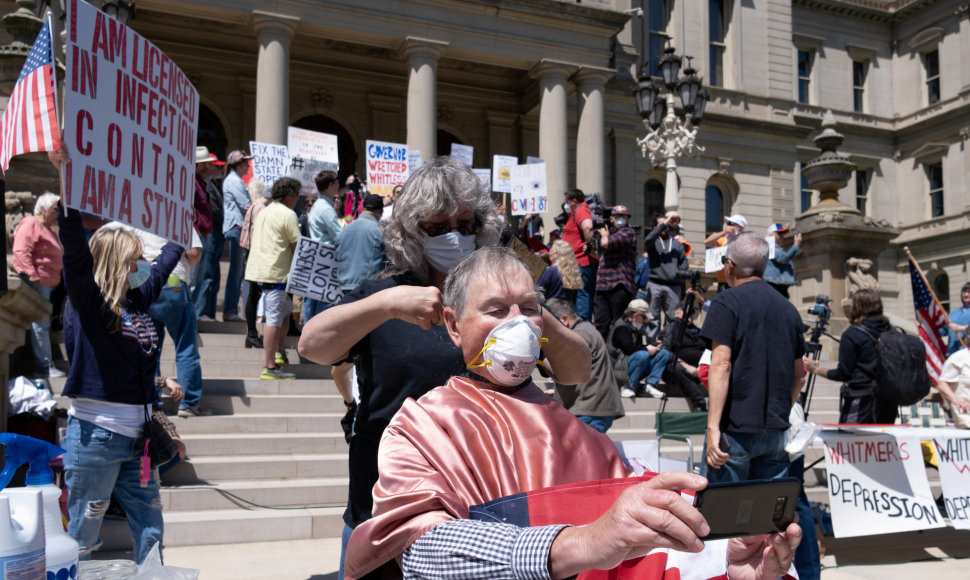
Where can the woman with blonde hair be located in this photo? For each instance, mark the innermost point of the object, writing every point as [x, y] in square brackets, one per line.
[561, 279]
[113, 348]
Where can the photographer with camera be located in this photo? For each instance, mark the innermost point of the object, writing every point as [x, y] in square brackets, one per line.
[578, 231]
[858, 362]
[614, 278]
[668, 266]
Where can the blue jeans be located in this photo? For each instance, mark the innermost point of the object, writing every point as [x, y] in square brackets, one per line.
[642, 364]
[40, 337]
[752, 456]
[344, 540]
[237, 267]
[584, 297]
[807, 558]
[207, 288]
[175, 311]
[98, 462]
[601, 424]
[313, 307]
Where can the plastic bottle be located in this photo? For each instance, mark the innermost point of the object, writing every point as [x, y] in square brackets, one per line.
[22, 535]
[60, 549]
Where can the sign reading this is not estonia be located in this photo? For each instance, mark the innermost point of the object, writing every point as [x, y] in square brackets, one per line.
[953, 455]
[387, 166]
[529, 189]
[310, 153]
[877, 485]
[130, 121]
[313, 271]
[270, 162]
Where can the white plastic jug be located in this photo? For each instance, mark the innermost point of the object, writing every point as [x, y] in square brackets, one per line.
[22, 535]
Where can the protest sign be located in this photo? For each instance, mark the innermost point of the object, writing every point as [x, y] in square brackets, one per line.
[530, 160]
[485, 176]
[310, 153]
[529, 189]
[463, 153]
[877, 484]
[270, 162]
[712, 258]
[130, 123]
[502, 172]
[414, 161]
[953, 455]
[313, 272]
[387, 166]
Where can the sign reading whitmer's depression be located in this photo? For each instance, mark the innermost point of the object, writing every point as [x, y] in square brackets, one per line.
[130, 120]
[953, 455]
[387, 166]
[313, 271]
[877, 485]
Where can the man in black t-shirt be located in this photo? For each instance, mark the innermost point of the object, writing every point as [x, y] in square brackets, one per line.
[756, 369]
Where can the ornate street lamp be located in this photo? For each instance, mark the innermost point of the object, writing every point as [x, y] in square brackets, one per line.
[670, 135]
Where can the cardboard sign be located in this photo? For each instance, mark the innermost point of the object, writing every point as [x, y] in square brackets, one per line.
[387, 166]
[463, 153]
[877, 485]
[529, 189]
[414, 161]
[310, 153]
[502, 172]
[313, 272]
[485, 176]
[712, 258]
[130, 123]
[953, 454]
[270, 162]
[771, 246]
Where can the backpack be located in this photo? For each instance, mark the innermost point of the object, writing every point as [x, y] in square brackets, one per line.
[902, 376]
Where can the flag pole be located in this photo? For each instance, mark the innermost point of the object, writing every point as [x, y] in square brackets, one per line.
[932, 293]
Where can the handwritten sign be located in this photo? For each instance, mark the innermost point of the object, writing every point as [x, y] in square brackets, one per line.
[270, 162]
[130, 122]
[463, 153]
[485, 176]
[712, 259]
[529, 189]
[877, 485]
[953, 454]
[387, 166]
[313, 272]
[530, 160]
[310, 153]
[502, 172]
[414, 161]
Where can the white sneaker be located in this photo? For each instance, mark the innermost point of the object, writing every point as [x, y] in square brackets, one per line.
[626, 392]
[56, 373]
[654, 392]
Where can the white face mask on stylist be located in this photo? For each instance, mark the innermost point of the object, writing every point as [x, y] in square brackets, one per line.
[448, 240]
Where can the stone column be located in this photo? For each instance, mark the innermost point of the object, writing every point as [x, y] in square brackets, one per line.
[274, 32]
[590, 137]
[553, 130]
[422, 56]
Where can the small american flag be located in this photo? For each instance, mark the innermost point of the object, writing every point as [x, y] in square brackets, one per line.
[29, 122]
[930, 318]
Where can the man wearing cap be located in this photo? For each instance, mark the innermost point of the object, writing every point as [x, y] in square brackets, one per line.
[360, 245]
[733, 226]
[668, 262]
[780, 273]
[235, 199]
[634, 356]
[614, 277]
[206, 275]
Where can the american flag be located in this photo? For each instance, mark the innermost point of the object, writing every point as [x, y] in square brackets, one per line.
[931, 320]
[29, 122]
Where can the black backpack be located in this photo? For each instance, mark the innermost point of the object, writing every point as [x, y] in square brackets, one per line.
[902, 376]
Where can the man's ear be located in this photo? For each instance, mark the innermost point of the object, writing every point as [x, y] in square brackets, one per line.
[451, 325]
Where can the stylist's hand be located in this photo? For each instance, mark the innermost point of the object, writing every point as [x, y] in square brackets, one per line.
[645, 516]
[420, 305]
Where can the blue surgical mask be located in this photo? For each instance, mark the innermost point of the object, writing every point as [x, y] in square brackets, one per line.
[445, 251]
[136, 279]
[637, 325]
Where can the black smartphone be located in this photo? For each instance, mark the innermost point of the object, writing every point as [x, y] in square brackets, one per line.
[748, 508]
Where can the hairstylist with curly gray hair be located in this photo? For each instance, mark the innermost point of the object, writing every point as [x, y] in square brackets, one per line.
[392, 327]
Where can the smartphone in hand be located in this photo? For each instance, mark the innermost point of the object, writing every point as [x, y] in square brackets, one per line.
[748, 508]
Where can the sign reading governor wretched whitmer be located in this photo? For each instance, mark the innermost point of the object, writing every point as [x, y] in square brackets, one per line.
[953, 455]
[313, 272]
[130, 121]
[877, 485]
[387, 166]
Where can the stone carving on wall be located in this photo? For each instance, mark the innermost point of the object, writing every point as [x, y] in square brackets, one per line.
[19, 204]
[857, 276]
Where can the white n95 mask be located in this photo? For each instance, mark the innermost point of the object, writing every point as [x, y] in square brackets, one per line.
[511, 352]
[445, 251]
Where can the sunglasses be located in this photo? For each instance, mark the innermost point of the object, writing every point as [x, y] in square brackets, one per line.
[725, 260]
[465, 228]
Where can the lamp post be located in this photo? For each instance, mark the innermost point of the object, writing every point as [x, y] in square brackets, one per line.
[669, 135]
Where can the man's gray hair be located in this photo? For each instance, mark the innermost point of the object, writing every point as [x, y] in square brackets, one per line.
[560, 308]
[488, 263]
[749, 252]
[45, 201]
[439, 189]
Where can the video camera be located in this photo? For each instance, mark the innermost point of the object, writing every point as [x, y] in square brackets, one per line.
[822, 314]
[694, 276]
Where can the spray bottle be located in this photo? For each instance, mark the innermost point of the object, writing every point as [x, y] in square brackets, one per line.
[61, 549]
